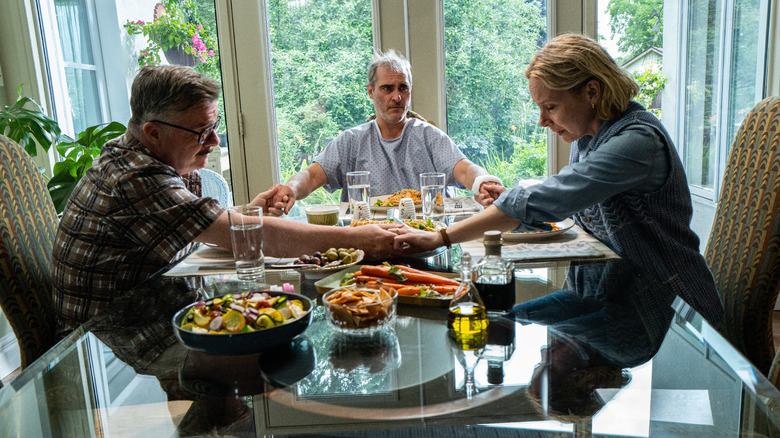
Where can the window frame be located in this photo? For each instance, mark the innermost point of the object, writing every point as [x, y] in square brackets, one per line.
[675, 51]
[415, 28]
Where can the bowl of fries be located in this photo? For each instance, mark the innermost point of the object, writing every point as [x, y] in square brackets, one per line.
[356, 310]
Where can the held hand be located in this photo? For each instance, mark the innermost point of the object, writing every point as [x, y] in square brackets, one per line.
[283, 201]
[376, 240]
[262, 199]
[489, 191]
[410, 240]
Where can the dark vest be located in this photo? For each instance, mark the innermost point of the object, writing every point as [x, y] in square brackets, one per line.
[652, 231]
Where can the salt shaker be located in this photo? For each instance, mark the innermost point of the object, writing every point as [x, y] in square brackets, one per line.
[362, 211]
[406, 209]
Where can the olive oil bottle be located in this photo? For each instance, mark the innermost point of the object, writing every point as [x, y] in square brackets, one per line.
[467, 315]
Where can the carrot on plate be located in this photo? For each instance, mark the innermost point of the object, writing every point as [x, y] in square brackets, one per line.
[398, 273]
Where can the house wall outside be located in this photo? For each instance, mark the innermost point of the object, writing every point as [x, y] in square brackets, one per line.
[649, 59]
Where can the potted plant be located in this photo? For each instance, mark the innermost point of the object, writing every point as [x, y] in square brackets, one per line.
[179, 32]
[28, 126]
[78, 156]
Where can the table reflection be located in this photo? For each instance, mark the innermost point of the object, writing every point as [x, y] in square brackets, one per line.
[586, 339]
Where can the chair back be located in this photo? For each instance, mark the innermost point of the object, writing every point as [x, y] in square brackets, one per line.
[743, 250]
[214, 186]
[28, 223]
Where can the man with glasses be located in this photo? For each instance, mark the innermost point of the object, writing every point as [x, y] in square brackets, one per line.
[139, 207]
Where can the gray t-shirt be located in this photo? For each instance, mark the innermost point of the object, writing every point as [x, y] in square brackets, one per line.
[394, 164]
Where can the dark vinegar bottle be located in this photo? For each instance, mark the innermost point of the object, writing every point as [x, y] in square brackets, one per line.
[494, 276]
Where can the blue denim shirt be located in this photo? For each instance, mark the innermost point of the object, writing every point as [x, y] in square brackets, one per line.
[632, 161]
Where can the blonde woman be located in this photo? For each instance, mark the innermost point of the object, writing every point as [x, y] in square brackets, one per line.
[624, 184]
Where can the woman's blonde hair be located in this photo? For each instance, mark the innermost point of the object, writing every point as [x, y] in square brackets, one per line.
[568, 62]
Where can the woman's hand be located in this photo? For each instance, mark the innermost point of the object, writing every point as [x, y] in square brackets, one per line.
[410, 240]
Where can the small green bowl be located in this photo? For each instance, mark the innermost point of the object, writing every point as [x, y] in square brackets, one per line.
[323, 214]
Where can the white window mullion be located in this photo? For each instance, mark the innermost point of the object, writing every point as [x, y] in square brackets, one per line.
[726, 54]
[59, 87]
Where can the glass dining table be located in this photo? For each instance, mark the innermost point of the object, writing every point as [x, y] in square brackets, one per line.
[584, 354]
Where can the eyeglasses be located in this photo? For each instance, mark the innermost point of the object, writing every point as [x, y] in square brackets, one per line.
[202, 135]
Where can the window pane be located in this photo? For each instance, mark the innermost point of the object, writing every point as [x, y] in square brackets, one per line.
[133, 35]
[744, 56]
[632, 33]
[701, 92]
[490, 115]
[74, 37]
[84, 99]
[84, 107]
[319, 52]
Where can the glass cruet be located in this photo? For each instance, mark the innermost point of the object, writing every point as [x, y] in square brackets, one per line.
[467, 313]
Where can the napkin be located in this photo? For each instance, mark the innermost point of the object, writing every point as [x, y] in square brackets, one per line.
[213, 260]
[461, 205]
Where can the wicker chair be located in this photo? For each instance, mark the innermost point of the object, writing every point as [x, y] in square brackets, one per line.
[743, 251]
[28, 223]
[215, 186]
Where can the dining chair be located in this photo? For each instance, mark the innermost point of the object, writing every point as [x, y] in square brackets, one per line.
[743, 250]
[28, 223]
[214, 186]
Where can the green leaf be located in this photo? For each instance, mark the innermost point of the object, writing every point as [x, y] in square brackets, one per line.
[28, 127]
[60, 187]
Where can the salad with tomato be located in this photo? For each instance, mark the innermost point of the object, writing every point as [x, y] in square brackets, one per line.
[242, 313]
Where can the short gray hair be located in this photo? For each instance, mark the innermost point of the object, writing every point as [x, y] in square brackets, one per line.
[391, 60]
[159, 90]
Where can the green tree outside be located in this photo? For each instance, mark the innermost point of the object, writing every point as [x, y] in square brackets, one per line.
[490, 115]
[639, 24]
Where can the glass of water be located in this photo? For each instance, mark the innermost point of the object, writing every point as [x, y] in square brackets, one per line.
[358, 187]
[432, 191]
[246, 234]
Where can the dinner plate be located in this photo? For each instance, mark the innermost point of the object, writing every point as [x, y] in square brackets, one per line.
[529, 236]
[385, 209]
[209, 255]
[425, 254]
[332, 281]
[291, 265]
[437, 225]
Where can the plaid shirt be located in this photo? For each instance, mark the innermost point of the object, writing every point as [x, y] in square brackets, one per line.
[130, 216]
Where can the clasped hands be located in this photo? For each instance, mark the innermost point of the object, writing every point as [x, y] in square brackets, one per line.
[489, 191]
[275, 201]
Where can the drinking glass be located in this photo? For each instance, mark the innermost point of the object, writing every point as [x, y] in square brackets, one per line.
[246, 234]
[358, 187]
[432, 192]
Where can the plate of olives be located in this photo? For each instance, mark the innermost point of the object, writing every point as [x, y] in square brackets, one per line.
[332, 259]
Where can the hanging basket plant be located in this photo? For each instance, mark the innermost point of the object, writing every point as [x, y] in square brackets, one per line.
[179, 34]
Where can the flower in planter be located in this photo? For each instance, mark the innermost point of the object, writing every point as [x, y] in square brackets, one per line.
[177, 31]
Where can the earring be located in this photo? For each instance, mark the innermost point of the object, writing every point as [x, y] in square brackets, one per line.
[593, 105]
